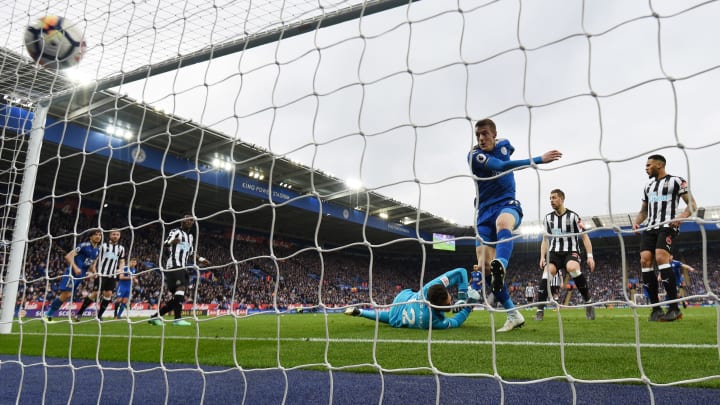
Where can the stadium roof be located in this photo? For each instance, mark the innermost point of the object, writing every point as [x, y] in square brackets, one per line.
[101, 176]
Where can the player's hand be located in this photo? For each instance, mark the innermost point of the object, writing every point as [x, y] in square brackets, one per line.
[459, 306]
[591, 264]
[635, 227]
[542, 262]
[551, 156]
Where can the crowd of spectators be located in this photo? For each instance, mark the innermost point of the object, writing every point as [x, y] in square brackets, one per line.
[243, 272]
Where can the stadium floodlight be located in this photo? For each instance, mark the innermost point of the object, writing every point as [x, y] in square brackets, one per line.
[118, 132]
[383, 215]
[407, 221]
[79, 76]
[354, 184]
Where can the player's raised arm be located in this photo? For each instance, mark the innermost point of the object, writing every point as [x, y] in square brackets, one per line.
[482, 161]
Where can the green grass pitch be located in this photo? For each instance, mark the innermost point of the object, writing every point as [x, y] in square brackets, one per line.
[685, 351]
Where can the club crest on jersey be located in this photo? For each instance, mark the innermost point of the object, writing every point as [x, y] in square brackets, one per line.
[504, 151]
[481, 158]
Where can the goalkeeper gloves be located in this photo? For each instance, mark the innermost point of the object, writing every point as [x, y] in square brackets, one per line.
[473, 296]
[458, 306]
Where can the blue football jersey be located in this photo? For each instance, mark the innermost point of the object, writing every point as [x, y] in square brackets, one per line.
[491, 164]
[126, 284]
[85, 255]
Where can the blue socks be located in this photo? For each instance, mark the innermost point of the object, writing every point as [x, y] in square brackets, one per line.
[504, 248]
[502, 296]
[121, 308]
[54, 306]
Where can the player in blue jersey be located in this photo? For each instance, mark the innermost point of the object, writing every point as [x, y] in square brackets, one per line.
[498, 212]
[80, 260]
[680, 269]
[126, 277]
[410, 310]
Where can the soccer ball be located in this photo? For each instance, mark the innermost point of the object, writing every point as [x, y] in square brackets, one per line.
[54, 42]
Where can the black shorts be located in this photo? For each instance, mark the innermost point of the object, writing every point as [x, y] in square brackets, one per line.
[175, 278]
[662, 238]
[104, 283]
[561, 259]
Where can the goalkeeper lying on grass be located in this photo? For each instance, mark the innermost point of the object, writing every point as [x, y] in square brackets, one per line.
[409, 309]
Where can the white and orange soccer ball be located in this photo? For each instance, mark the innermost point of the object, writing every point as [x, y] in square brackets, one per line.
[54, 42]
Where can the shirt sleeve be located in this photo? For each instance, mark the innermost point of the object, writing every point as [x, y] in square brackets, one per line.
[456, 277]
[454, 322]
[683, 186]
[172, 235]
[480, 162]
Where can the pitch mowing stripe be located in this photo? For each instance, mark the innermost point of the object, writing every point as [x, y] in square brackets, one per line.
[400, 341]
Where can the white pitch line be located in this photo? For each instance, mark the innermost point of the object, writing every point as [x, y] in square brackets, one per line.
[400, 341]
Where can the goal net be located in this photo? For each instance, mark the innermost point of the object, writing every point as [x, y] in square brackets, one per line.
[320, 148]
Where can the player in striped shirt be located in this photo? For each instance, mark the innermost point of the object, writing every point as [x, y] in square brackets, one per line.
[410, 310]
[560, 249]
[661, 208]
[126, 278]
[498, 212]
[80, 260]
[180, 245]
[110, 260]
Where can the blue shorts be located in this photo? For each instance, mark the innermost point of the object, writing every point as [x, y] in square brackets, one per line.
[68, 283]
[123, 292]
[487, 218]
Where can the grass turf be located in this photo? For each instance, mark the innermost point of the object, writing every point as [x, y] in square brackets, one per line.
[685, 351]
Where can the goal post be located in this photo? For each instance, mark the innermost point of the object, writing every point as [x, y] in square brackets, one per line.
[18, 246]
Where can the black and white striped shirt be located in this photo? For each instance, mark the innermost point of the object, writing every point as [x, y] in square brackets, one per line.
[663, 199]
[560, 228]
[108, 258]
[181, 251]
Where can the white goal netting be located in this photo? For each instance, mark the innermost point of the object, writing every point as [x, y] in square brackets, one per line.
[321, 148]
